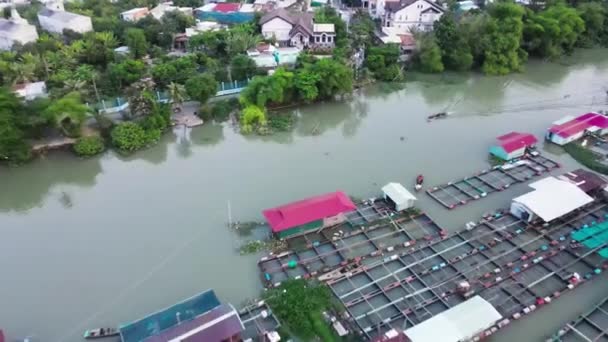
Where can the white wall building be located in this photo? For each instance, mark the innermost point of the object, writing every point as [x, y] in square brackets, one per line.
[134, 14]
[159, 11]
[57, 21]
[399, 195]
[297, 30]
[30, 91]
[16, 30]
[413, 15]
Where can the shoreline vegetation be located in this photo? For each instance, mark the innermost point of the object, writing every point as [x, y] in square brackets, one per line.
[81, 70]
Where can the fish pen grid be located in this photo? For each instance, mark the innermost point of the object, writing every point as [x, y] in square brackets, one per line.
[363, 246]
[257, 319]
[498, 178]
[511, 274]
[590, 326]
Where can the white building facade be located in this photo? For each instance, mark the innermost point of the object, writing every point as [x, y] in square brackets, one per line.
[57, 21]
[416, 15]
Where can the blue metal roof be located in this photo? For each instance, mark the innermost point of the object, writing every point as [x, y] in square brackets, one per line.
[157, 322]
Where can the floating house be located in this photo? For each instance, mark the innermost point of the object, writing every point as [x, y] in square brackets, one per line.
[513, 145]
[460, 323]
[570, 129]
[398, 195]
[309, 214]
[590, 182]
[199, 318]
[551, 198]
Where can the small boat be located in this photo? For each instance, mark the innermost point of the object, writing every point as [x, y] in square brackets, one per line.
[440, 115]
[100, 333]
[419, 181]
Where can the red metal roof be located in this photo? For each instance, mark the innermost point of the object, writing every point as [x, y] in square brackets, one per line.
[227, 7]
[308, 210]
[514, 141]
[580, 124]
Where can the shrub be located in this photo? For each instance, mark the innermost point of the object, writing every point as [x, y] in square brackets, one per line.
[89, 146]
[129, 137]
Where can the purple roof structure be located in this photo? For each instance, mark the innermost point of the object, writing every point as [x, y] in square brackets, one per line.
[216, 325]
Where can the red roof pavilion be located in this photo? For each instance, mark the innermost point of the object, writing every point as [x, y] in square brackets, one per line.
[514, 141]
[308, 210]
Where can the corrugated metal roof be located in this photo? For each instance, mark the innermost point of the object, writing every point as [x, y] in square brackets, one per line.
[308, 210]
[515, 140]
[167, 318]
[553, 198]
[59, 15]
[579, 124]
[398, 193]
[456, 324]
[215, 325]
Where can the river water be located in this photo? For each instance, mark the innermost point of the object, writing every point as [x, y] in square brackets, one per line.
[97, 242]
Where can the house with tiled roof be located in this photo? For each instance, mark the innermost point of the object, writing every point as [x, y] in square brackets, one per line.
[406, 15]
[297, 29]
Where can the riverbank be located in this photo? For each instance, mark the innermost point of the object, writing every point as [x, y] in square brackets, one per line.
[60, 214]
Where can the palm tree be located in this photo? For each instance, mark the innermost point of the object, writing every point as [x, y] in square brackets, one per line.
[86, 73]
[106, 39]
[177, 93]
[24, 68]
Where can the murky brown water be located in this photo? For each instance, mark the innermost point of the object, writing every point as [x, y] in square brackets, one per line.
[104, 241]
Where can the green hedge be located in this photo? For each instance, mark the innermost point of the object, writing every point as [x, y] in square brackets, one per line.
[89, 146]
[585, 157]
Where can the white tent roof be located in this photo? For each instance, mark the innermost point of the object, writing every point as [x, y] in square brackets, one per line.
[456, 324]
[397, 193]
[553, 198]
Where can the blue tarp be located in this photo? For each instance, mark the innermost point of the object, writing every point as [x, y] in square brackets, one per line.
[164, 319]
[226, 18]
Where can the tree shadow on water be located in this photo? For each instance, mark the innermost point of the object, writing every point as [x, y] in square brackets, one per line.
[29, 186]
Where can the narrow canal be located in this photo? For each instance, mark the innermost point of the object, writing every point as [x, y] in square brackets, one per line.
[104, 241]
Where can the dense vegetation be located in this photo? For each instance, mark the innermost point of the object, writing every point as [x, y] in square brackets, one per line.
[500, 39]
[83, 72]
[299, 305]
[89, 146]
[586, 157]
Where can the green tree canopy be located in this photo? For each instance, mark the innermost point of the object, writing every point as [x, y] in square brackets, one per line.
[201, 87]
[126, 72]
[455, 50]
[501, 39]
[428, 57]
[136, 41]
[242, 67]
[13, 146]
[596, 29]
[552, 32]
[68, 113]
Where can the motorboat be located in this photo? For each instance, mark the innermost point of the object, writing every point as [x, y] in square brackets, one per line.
[419, 181]
[100, 333]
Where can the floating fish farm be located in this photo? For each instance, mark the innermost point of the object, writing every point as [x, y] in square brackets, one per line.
[498, 178]
[591, 326]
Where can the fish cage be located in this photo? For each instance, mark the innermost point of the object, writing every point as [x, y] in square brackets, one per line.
[461, 192]
[514, 266]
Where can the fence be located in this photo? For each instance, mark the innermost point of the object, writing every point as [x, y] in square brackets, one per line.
[119, 104]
